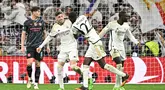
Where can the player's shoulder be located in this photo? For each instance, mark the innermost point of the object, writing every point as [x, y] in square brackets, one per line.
[81, 18]
[112, 23]
[126, 24]
[55, 26]
[67, 23]
[28, 21]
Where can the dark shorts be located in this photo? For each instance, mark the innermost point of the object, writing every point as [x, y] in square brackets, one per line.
[31, 53]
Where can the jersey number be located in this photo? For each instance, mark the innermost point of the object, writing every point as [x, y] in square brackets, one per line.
[86, 27]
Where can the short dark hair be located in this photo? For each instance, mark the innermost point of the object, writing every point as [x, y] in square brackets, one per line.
[58, 12]
[122, 13]
[35, 8]
[72, 16]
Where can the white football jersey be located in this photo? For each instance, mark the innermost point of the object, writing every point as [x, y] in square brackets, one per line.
[65, 34]
[83, 26]
[117, 34]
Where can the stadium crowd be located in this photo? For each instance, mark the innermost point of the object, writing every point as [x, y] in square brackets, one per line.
[13, 13]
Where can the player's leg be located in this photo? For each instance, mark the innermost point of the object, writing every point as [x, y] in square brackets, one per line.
[123, 58]
[38, 58]
[60, 75]
[112, 69]
[117, 59]
[86, 64]
[62, 56]
[30, 59]
[37, 74]
[73, 57]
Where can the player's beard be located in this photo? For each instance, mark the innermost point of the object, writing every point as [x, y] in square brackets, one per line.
[60, 22]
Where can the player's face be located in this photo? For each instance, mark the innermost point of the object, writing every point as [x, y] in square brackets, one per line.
[125, 17]
[60, 19]
[37, 13]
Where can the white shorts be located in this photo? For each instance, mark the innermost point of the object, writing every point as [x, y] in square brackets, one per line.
[70, 55]
[118, 53]
[96, 52]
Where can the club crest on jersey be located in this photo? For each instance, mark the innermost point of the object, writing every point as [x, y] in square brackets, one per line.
[40, 24]
[35, 24]
[28, 54]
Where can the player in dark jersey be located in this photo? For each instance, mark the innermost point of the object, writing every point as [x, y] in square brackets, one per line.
[36, 33]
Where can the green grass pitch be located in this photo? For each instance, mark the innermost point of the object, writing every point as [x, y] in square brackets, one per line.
[73, 86]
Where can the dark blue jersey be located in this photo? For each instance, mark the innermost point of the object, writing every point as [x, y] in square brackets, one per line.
[35, 32]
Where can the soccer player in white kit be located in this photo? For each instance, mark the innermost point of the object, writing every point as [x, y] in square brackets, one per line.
[95, 51]
[68, 47]
[118, 29]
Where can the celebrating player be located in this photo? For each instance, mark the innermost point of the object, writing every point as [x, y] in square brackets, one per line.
[34, 28]
[95, 51]
[118, 29]
[68, 47]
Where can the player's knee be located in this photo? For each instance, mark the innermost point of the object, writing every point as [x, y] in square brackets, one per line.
[85, 67]
[117, 60]
[74, 67]
[29, 68]
[59, 66]
[37, 64]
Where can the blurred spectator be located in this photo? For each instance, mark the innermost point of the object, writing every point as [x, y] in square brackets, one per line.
[67, 11]
[45, 3]
[49, 12]
[160, 37]
[152, 47]
[18, 12]
[12, 26]
[77, 6]
[65, 3]
[27, 7]
[6, 10]
[33, 3]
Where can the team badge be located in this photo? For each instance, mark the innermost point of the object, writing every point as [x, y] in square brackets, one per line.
[40, 24]
[28, 54]
[35, 24]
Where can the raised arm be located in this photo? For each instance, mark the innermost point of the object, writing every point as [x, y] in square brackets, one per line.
[105, 30]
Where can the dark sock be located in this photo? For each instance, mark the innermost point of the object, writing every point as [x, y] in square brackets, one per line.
[29, 70]
[37, 74]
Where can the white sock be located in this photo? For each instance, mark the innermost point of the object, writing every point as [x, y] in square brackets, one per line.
[118, 78]
[85, 75]
[35, 84]
[60, 76]
[114, 70]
